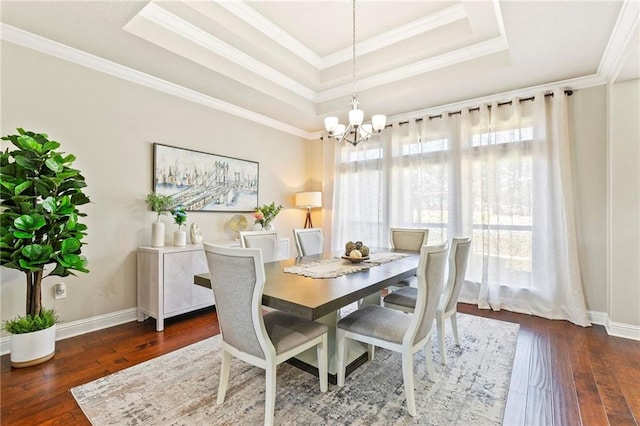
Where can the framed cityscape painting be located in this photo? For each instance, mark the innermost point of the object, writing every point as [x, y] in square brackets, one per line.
[205, 182]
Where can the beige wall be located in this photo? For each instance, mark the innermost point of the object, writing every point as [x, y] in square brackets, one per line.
[624, 203]
[588, 120]
[110, 125]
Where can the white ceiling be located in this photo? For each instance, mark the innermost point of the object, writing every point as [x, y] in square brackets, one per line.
[288, 64]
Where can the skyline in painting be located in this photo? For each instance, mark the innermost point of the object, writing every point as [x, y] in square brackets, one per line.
[205, 182]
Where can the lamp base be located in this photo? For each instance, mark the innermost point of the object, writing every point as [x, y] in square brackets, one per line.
[307, 222]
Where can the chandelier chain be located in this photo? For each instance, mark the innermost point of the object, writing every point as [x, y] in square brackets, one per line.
[355, 131]
[353, 91]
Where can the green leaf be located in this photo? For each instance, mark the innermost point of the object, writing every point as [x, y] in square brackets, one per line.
[65, 206]
[24, 235]
[25, 162]
[79, 199]
[28, 266]
[51, 145]
[69, 173]
[29, 144]
[54, 165]
[69, 159]
[10, 186]
[37, 253]
[29, 222]
[70, 245]
[72, 261]
[71, 222]
[23, 186]
[49, 204]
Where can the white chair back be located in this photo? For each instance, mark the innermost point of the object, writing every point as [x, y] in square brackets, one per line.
[408, 238]
[237, 280]
[458, 259]
[308, 241]
[267, 241]
[430, 273]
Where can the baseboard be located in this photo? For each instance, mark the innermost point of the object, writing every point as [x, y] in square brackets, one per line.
[598, 318]
[65, 330]
[76, 328]
[617, 329]
[626, 331]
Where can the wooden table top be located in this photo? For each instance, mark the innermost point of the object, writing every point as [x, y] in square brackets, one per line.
[313, 298]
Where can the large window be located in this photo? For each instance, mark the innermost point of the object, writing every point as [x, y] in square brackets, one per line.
[497, 173]
[429, 182]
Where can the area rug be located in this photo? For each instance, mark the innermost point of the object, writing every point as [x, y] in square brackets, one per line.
[180, 388]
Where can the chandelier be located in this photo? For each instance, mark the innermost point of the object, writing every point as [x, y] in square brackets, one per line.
[356, 131]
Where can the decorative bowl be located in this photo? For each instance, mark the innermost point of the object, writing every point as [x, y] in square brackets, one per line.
[356, 259]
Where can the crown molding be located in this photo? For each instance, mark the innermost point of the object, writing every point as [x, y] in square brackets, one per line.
[397, 35]
[273, 31]
[498, 11]
[464, 54]
[70, 54]
[626, 23]
[188, 31]
[573, 83]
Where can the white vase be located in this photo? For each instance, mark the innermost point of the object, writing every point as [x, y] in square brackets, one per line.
[180, 238]
[268, 227]
[29, 349]
[157, 234]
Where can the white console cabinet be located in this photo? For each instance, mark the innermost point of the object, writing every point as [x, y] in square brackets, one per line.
[165, 282]
[165, 279]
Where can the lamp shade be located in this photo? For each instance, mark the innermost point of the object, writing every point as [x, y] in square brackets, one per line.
[308, 199]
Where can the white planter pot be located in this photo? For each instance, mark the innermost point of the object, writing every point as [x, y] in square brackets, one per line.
[180, 238]
[29, 349]
[157, 234]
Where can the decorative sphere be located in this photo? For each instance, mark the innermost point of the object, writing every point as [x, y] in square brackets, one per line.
[355, 254]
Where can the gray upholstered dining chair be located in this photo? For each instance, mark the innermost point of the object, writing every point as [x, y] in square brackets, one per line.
[404, 299]
[308, 241]
[267, 241]
[237, 280]
[394, 330]
[410, 239]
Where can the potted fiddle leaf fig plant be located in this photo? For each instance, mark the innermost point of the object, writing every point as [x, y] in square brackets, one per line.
[161, 204]
[41, 233]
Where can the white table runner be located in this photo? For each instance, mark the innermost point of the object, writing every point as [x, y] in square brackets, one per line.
[333, 268]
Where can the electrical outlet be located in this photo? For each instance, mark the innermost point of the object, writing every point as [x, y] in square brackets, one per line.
[60, 291]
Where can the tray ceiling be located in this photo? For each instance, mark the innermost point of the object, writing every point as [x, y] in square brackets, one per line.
[291, 62]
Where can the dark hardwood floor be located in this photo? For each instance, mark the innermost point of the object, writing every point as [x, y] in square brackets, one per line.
[562, 375]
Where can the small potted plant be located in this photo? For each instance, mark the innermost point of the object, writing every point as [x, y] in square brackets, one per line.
[180, 218]
[161, 204]
[40, 226]
[264, 215]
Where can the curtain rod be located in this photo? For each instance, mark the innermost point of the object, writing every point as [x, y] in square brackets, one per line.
[567, 92]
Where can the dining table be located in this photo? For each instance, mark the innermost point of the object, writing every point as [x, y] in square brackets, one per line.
[302, 286]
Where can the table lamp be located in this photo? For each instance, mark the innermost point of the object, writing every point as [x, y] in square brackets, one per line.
[308, 200]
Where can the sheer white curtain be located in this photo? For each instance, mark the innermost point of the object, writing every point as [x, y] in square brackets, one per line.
[498, 173]
[359, 193]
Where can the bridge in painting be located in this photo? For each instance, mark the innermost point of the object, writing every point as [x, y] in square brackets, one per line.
[216, 187]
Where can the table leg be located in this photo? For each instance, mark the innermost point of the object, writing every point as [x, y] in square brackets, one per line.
[356, 351]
